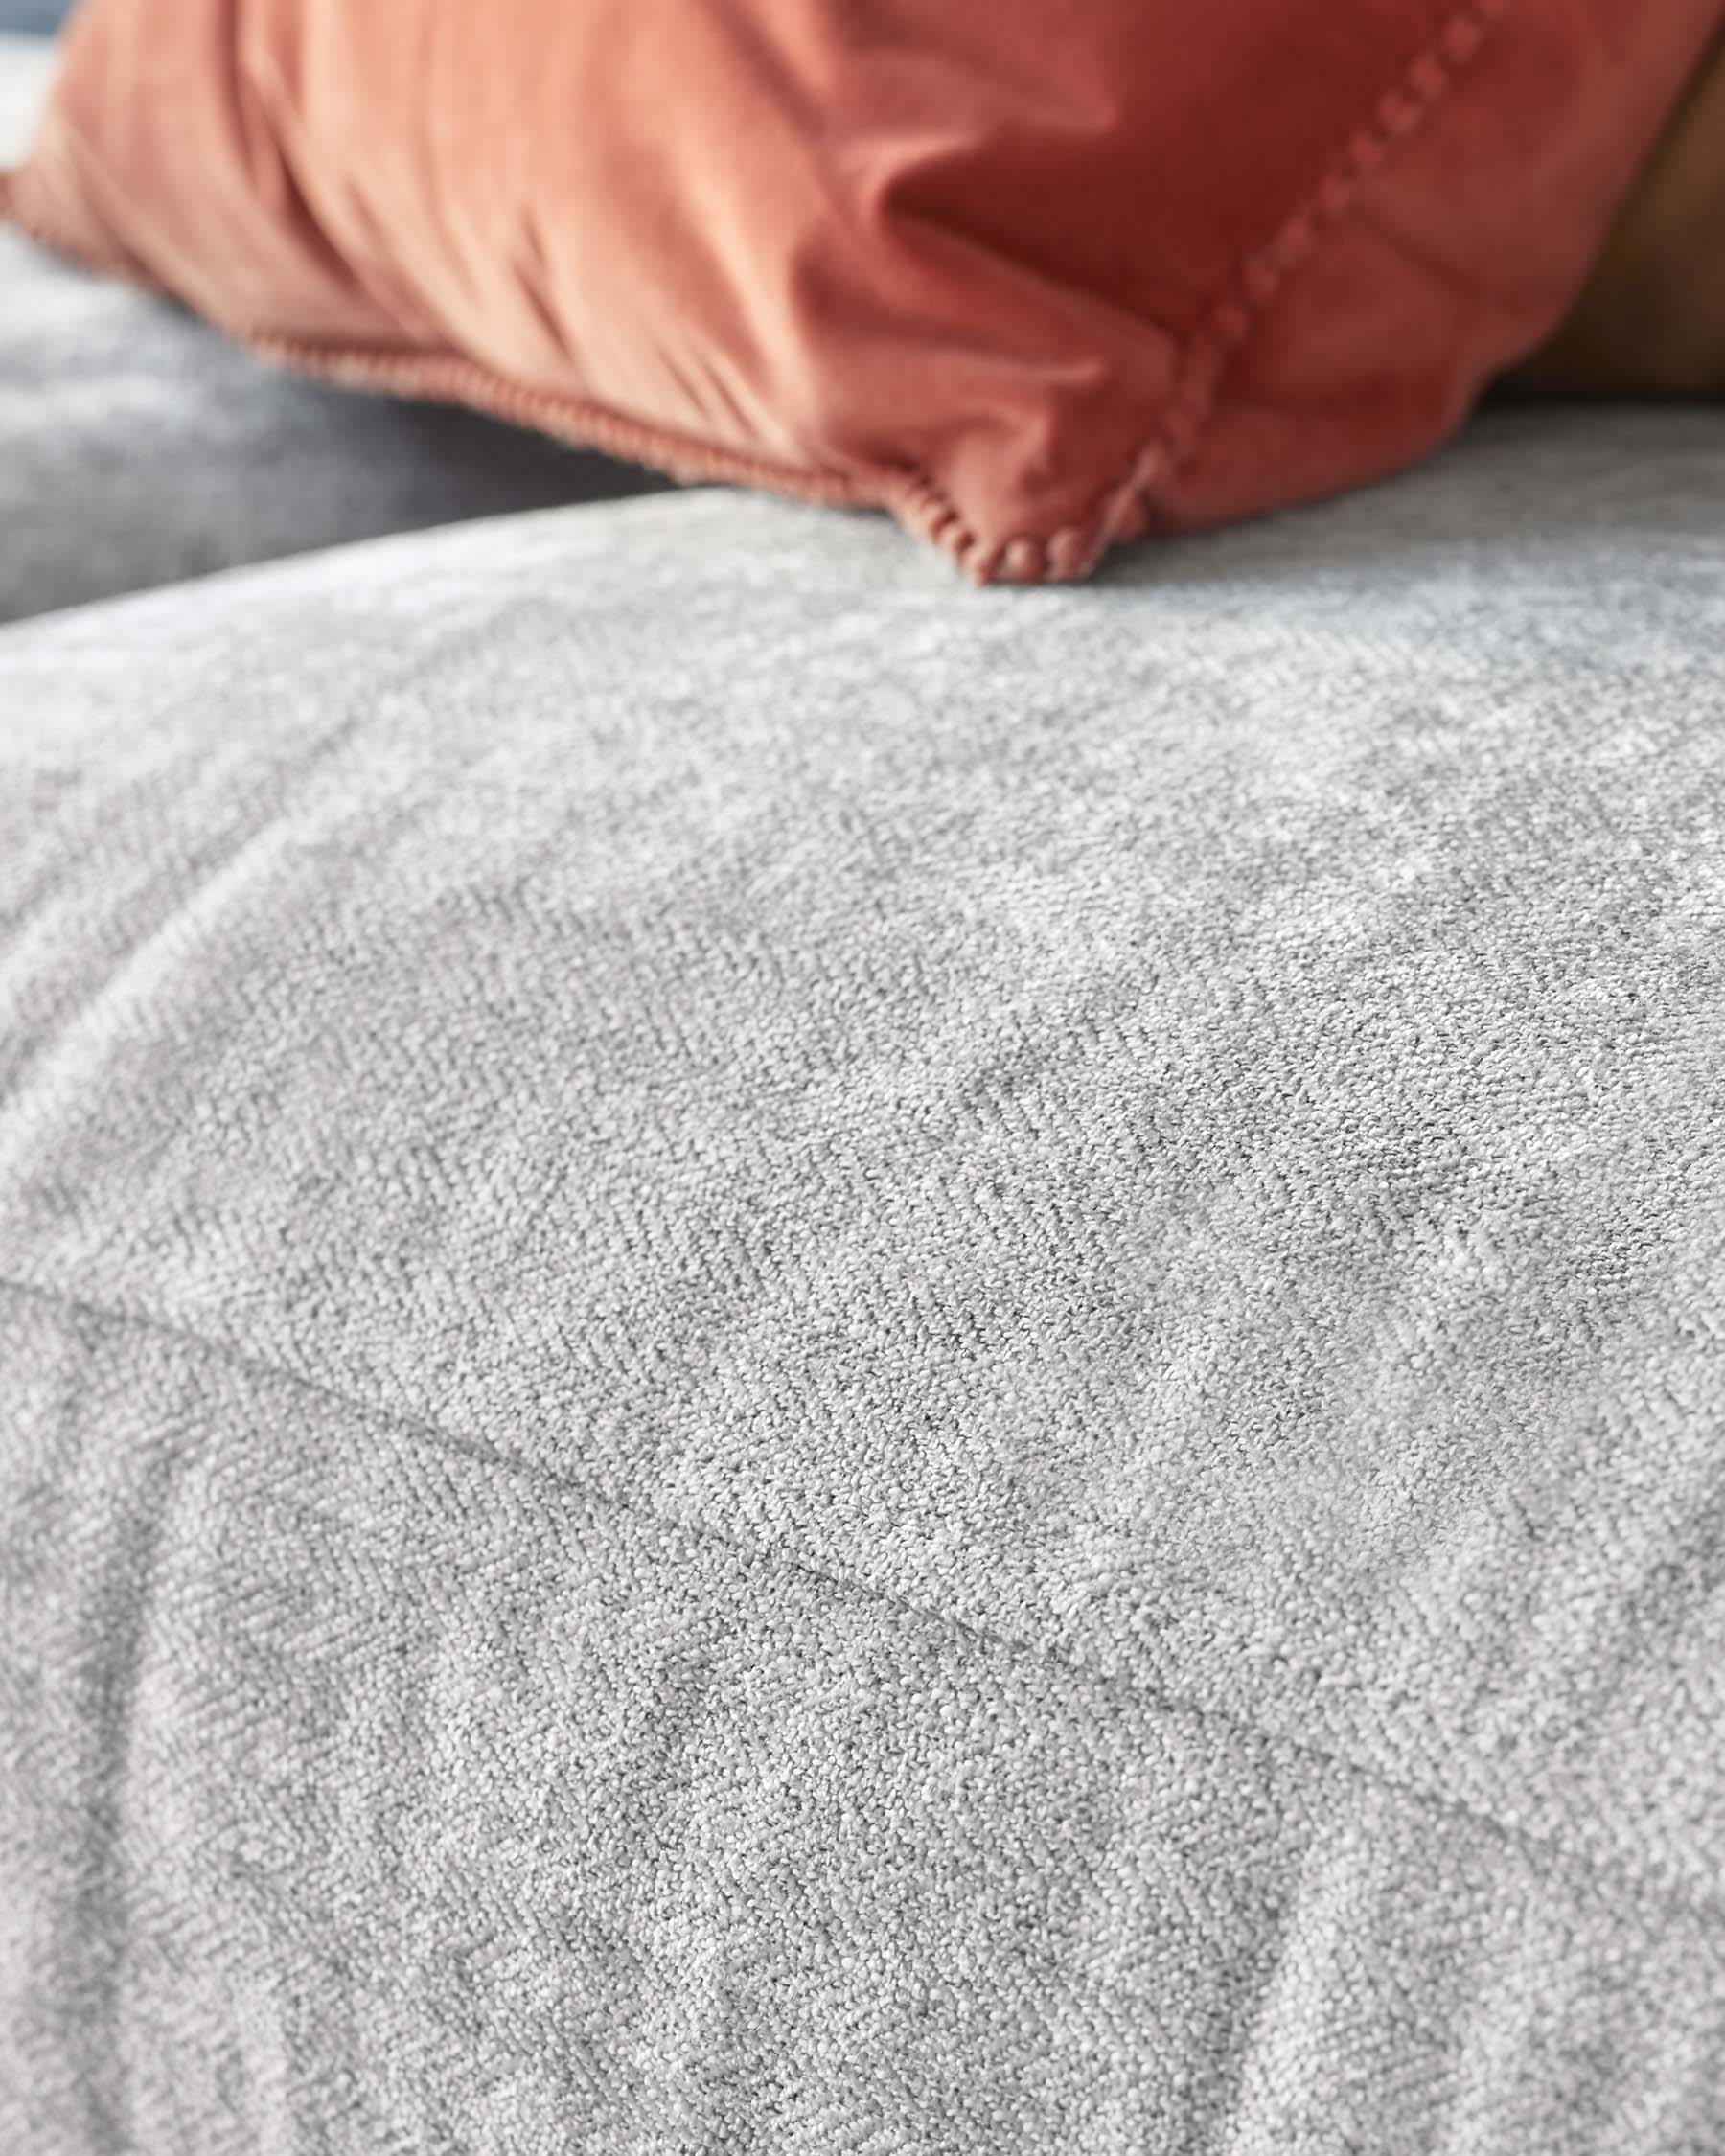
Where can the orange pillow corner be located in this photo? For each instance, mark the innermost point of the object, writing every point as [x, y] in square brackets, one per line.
[1034, 294]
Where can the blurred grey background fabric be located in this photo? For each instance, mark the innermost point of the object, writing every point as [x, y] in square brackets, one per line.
[138, 448]
[798, 1361]
[27, 67]
[38, 17]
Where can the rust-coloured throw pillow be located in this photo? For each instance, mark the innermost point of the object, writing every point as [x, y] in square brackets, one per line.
[1036, 278]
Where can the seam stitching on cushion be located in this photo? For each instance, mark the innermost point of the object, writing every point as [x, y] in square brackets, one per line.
[912, 494]
[448, 376]
[1262, 275]
[1639, 1886]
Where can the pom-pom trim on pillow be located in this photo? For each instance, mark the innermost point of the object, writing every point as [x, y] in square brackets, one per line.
[1170, 481]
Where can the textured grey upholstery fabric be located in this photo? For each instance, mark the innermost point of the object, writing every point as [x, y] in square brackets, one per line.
[137, 448]
[798, 1361]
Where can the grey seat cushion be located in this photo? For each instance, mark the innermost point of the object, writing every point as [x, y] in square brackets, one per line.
[138, 448]
[794, 1361]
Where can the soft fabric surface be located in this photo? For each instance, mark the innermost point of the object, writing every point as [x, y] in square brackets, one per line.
[1035, 285]
[792, 1365]
[32, 18]
[137, 448]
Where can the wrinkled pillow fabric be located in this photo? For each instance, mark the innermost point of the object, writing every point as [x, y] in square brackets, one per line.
[1037, 287]
[136, 449]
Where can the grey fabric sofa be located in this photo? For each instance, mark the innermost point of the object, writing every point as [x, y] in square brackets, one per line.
[793, 1361]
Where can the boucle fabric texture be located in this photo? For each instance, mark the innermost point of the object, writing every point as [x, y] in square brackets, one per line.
[795, 1364]
[1037, 282]
[138, 448]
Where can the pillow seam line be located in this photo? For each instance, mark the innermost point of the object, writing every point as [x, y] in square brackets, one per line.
[1260, 276]
[444, 374]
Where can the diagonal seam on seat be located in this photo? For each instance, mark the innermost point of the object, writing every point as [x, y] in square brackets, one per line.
[1638, 1885]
